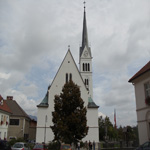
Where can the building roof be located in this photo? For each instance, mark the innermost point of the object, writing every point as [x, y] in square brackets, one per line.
[91, 103]
[44, 102]
[143, 70]
[16, 109]
[3, 105]
[84, 36]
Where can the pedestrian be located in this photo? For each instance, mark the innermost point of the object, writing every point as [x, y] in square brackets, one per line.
[78, 145]
[86, 145]
[93, 145]
[89, 144]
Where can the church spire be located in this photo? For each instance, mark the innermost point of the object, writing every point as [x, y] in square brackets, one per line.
[84, 33]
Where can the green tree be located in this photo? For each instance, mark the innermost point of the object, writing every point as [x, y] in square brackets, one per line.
[120, 133]
[101, 128]
[111, 131]
[106, 129]
[69, 116]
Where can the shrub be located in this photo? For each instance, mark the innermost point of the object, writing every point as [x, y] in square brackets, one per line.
[54, 146]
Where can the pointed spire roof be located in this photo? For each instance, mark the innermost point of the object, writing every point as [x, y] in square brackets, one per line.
[84, 32]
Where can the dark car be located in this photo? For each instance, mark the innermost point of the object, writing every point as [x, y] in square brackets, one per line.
[40, 147]
[145, 146]
[4, 145]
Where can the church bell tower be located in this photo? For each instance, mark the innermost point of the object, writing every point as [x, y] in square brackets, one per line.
[85, 59]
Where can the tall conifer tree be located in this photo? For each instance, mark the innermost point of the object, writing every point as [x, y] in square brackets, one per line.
[69, 116]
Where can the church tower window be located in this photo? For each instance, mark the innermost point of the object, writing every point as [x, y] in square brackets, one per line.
[86, 82]
[83, 67]
[88, 67]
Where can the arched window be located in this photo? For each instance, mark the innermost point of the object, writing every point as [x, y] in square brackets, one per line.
[66, 77]
[86, 82]
[70, 76]
[83, 67]
[88, 67]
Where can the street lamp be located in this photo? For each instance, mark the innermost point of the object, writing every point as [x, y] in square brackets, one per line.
[45, 129]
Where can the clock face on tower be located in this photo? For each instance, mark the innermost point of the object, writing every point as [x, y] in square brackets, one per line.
[85, 53]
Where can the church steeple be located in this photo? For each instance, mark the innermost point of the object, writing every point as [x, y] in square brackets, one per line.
[84, 33]
[85, 58]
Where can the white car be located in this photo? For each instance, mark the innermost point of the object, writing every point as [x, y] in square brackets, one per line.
[20, 146]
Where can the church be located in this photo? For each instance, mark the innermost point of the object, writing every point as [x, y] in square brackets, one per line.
[81, 76]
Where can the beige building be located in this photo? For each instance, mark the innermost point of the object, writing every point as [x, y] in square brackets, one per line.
[19, 120]
[141, 82]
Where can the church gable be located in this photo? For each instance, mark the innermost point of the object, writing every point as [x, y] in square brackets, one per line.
[68, 70]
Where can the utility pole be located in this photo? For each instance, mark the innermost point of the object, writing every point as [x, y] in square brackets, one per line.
[45, 129]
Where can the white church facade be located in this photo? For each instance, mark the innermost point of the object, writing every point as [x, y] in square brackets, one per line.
[83, 78]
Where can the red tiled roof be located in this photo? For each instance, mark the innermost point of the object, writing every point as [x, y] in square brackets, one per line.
[145, 69]
[4, 106]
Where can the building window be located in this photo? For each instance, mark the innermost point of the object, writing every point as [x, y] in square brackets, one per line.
[86, 82]
[2, 120]
[66, 77]
[83, 67]
[5, 136]
[70, 76]
[88, 67]
[147, 89]
[14, 122]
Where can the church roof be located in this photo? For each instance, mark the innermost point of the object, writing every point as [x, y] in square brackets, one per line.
[84, 36]
[143, 70]
[84, 32]
[44, 102]
[91, 103]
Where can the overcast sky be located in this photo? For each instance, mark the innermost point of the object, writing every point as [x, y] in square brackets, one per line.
[34, 38]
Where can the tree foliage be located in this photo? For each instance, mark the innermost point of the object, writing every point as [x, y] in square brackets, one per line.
[127, 133]
[106, 129]
[69, 116]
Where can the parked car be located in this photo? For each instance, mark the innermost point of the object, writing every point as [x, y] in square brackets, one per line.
[145, 146]
[65, 147]
[40, 147]
[20, 146]
[4, 145]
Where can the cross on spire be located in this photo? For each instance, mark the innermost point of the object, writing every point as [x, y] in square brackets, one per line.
[84, 5]
[68, 47]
